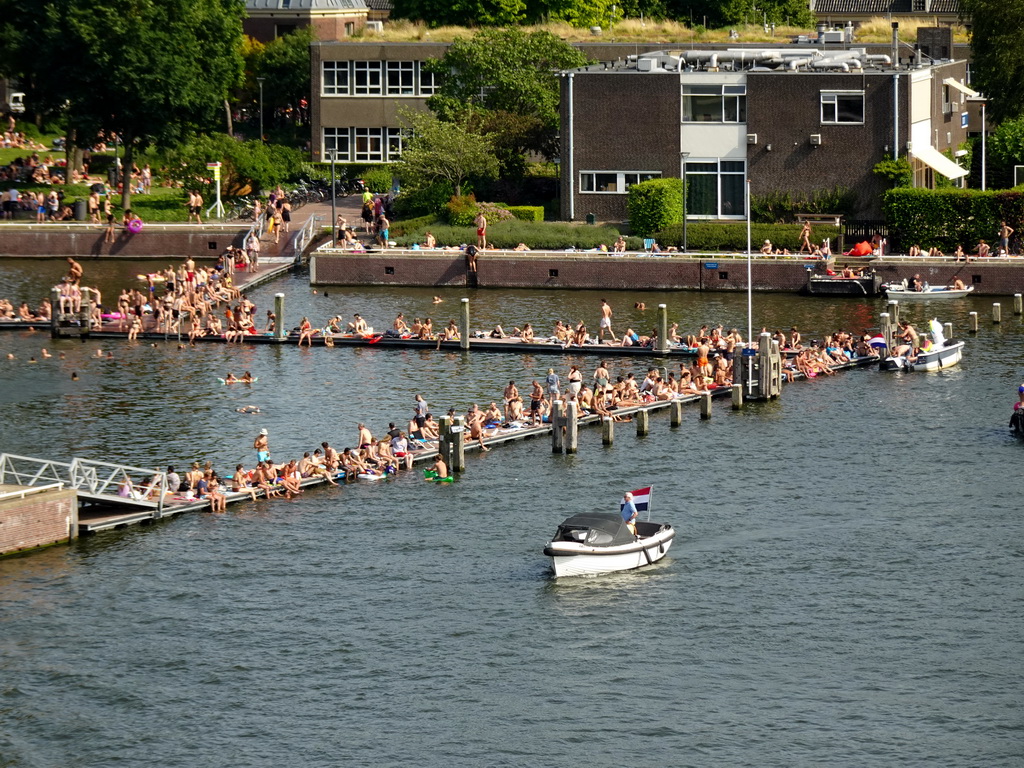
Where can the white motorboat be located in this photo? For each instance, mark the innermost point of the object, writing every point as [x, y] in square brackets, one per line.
[903, 292]
[937, 354]
[592, 543]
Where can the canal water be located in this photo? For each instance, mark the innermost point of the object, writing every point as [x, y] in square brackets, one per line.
[844, 588]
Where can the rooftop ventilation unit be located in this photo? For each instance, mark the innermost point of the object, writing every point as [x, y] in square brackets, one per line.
[645, 65]
[375, 26]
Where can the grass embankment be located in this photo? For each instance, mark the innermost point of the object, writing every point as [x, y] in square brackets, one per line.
[876, 30]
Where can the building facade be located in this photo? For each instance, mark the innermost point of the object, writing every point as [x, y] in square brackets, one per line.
[266, 20]
[789, 120]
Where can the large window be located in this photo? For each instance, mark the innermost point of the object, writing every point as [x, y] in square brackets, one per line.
[395, 138]
[842, 107]
[337, 141]
[429, 82]
[715, 103]
[401, 78]
[715, 189]
[613, 182]
[335, 78]
[369, 143]
[367, 78]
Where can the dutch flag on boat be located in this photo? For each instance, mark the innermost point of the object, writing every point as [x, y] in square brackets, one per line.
[641, 500]
[877, 341]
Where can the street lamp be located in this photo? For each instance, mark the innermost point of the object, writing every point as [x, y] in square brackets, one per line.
[260, 80]
[682, 176]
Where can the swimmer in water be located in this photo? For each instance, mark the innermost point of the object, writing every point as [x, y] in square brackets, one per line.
[74, 376]
[247, 378]
[45, 354]
[230, 378]
[249, 409]
[438, 300]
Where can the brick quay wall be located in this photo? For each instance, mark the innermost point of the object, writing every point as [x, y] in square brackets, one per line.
[560, 270]
[38, 519]
[86, 241]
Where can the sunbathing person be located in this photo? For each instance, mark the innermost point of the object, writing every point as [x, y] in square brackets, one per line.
[240, 482]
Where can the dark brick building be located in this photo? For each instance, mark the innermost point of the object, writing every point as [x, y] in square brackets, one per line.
[793, 120]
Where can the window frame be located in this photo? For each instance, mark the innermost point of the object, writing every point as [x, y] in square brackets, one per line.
[401, 69]
[369, 156]
[734, 102]
[835, 95]
[700, 167]
[369, 69]
[622, 183]
[343, 135]
[339, 67]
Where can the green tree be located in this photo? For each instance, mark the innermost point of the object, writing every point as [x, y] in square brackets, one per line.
[151, 71]
[1005, 150]
[997, 54]
[439, 151]
[509, 71]
[248, 166]
[470, 13]
[284, 64]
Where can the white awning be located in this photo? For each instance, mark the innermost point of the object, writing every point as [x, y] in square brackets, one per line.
[960, 87]
[938, 162]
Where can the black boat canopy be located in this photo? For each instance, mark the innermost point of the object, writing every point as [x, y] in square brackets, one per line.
[601, 529]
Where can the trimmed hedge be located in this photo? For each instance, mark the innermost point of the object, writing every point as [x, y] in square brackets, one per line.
[949, 217]
[527, 212]
[542, 236]
[654, 205]
[717, 236]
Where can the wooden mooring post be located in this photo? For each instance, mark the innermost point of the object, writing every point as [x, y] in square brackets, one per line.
[737, 396]
[885, 327]
[458, 443]
[947, 330]
[572, 427]
[607, 430]
[894, 312]
[643, 423]
[464, 325]
[280, 330]
[997, 313]
[974, 322]
[557, 423]
[1018, 304]
[705, 406]
[675, 412]
[662, 329]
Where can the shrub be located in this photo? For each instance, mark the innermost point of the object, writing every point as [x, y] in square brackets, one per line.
[461, 211]
[719, 236]
[422, 201]
[949, 217]
[527, 212]
[379, 179]
[897, 172]
[776, 207]
[508, 234]
[654, 205]
[495, 212]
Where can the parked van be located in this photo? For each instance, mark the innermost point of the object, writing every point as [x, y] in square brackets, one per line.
[16, 102]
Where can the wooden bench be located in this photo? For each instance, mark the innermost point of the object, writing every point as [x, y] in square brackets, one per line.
[824, 219]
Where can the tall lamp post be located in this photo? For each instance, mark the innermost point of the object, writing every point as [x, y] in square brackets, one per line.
[260, 80]
[682, 176]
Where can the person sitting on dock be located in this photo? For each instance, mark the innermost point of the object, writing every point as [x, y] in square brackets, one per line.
[498, 332]
[630, 339]
[240, 482]
[306, 332]
[399, 326]
[451, 331]
[400, 449]
[475, 422]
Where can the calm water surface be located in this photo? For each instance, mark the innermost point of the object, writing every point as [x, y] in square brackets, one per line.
[844, 590]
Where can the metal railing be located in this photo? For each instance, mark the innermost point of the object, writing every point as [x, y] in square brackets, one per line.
[305, 235]
[100, 480]
[21, 493]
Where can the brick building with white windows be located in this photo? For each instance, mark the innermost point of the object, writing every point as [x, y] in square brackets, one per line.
[792, 119]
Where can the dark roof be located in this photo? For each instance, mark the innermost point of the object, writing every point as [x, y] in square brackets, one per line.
[303, 5]
[382, 5]
[883, 7]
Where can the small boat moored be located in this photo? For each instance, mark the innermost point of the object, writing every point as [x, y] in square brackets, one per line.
[935, 355]
[592, 543]
[1017, 417]
[904, 292]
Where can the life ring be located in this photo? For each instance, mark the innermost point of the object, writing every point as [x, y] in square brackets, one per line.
[134, 226]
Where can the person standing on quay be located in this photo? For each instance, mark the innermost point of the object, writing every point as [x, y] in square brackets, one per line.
[606, 321]
[481, 230]
[262, 446]
[1005, 231]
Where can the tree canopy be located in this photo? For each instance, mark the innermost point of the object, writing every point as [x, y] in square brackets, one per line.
[440, 151]
[510, 72]
[997, 67]
[151, 71]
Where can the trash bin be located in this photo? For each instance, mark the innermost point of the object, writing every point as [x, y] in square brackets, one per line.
[591, 218]
[80, 210]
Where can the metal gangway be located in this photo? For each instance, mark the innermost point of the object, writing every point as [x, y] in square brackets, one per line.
[97, 482]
